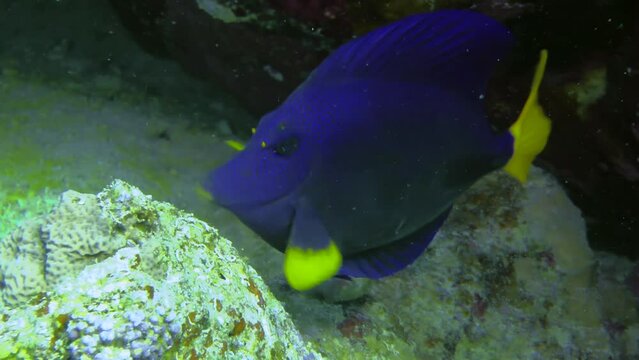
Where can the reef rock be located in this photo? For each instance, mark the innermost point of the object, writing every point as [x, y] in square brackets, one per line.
[120, 276]
[511, 275]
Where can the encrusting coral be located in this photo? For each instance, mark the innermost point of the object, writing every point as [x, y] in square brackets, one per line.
[142, 280]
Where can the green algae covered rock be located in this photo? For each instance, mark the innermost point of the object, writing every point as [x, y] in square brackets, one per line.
[142, 280]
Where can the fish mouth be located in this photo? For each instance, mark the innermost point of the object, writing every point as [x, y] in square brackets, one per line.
[271, 220]
[219, 196]
[231, 203]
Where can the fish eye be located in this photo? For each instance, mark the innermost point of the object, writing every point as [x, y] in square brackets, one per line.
[286, 147]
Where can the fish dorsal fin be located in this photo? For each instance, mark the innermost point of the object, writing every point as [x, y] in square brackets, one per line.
[452, 48]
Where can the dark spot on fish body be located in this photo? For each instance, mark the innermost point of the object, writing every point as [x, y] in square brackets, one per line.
[286, 147]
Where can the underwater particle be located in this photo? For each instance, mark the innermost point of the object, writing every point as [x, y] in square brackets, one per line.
[272, 72]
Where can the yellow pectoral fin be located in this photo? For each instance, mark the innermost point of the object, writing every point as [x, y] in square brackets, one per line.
[306, 268]
[531, 130]
[202, 193]
[237, 145]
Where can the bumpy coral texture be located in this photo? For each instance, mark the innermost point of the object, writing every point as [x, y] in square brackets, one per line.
[176, 288]
[42, 252]
[75, 235]
[21, 264]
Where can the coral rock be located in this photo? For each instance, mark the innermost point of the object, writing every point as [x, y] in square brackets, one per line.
[173, 288]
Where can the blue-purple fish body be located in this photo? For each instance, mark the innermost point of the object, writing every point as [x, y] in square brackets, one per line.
[357, 170]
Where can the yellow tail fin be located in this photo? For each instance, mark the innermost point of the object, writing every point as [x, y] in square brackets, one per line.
[531, 130]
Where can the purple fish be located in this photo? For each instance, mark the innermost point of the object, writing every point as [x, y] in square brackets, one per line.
[356, 171]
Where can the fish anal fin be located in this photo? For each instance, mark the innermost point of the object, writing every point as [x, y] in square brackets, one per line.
[389, 259]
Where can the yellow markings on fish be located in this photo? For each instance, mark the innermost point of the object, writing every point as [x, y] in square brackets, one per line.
[263, 144]
[531, 130]
[235, 145]
[202, 193]
[253, 131]
[306, 268]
